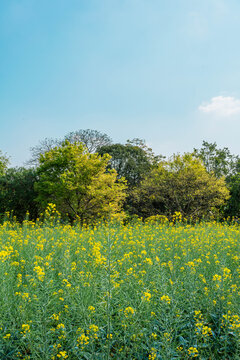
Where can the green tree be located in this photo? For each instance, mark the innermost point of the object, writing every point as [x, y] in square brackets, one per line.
[92, 139]
[222, 163]
[180, 184]
[4, 161]
[141, 143]
[17, 193]
[219, 161]
[131, 161]
[233, 205]
[77, 182]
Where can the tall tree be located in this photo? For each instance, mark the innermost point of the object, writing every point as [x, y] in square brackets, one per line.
[141, 143]
[219, 161]
[44, 146]
[77, 182]
[180, 184]
[92, 139]
[131, 161]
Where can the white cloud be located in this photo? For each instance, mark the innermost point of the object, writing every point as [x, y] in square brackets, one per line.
[223, 106]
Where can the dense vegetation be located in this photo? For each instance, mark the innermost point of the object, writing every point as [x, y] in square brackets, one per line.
[89, 178]
[83, 277]
[153, 290]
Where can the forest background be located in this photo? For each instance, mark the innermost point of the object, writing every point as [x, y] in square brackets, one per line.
[89, 178]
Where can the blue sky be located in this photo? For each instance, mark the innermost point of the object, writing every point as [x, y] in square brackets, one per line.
[167, 71]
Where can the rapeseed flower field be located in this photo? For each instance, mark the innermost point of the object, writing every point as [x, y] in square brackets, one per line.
[154, 290]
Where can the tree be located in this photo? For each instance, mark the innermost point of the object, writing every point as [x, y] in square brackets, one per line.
[4, 161]
[222, 163]
[44, 146]
[131, 161]
[233, 205]
[219, 161]
[141, 143]
[92, 139]
[181, 184]
[77, 182]
[17, 193]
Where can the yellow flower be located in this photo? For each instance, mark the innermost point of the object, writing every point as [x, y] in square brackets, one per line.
[129, 311]
[55, 317]
[153, 354]
[94, 328]
[166, 299]
[217, 277]
[91, 308]
[148, 261]
[226, 273]
[146, 296]
[83, 340]
[60, 326]
[192, 351]
[62, 354]
[40, 272]
[167, 336]
[26, 327]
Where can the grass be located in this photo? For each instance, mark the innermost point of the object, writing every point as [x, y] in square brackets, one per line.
[140, 291]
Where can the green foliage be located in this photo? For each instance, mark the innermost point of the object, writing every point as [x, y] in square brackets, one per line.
[77, 182]
[4, 161]
[148, 151]
[131, 161]
[92, 139]
[181, 184]
[142, 291]
[233, 205]
[222, 163]
[17, 193]
[154, 186]
[219, 161]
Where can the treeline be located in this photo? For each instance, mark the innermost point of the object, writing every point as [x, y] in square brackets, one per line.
[88, 177]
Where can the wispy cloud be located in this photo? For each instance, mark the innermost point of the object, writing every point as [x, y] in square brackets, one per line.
[223, 106]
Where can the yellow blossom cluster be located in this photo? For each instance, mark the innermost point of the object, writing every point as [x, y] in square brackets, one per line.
[77, 290]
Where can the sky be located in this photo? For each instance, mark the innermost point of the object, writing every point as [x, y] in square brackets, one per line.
[167, 71]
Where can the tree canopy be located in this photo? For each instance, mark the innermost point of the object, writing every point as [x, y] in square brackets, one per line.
[181, 184]
[131, 161]
[44, 146]
[233, 205]
[17, 193]
[4, 161]
[219, 161]
[92, 139]
[80, 171]
[77, 182]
